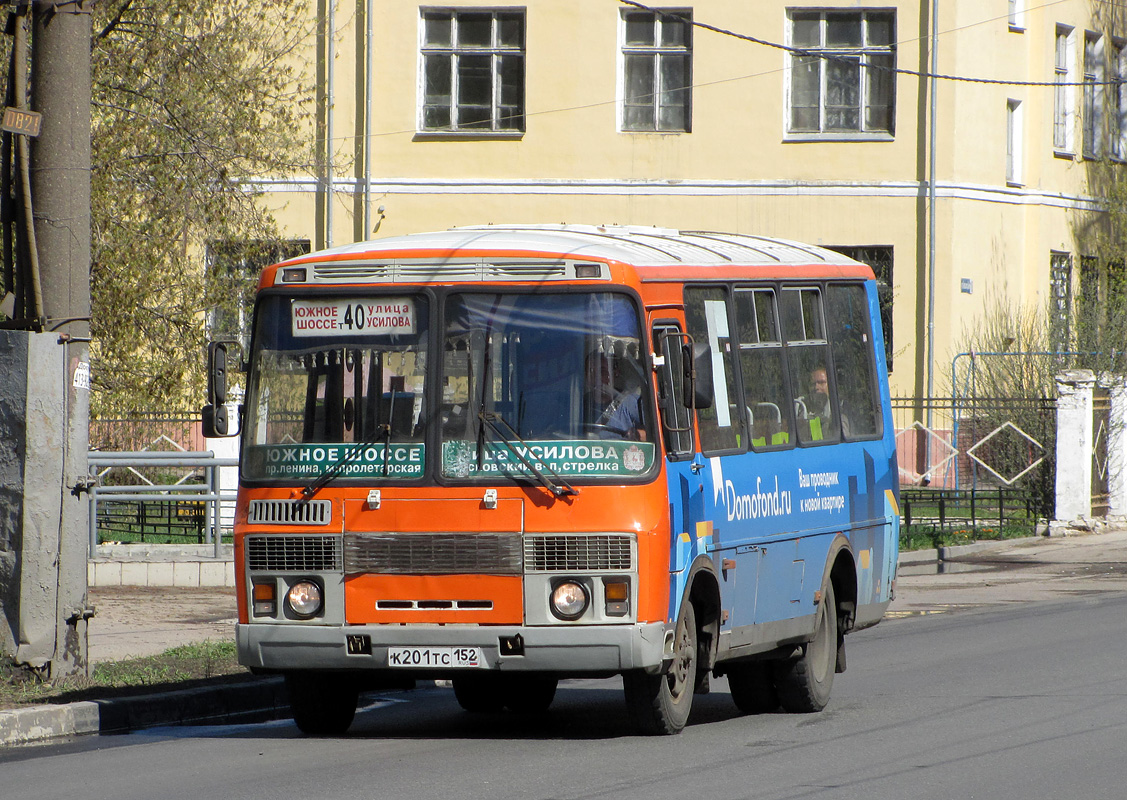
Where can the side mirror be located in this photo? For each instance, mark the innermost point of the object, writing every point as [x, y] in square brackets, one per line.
[217, 373]
[215, 421]
[696, 361]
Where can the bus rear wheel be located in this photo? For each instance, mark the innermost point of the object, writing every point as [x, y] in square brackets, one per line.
[323, 704]
[804, 683]
[660, 704]
[753, 687]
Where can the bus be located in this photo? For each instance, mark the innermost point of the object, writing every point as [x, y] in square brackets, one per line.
[501, 456]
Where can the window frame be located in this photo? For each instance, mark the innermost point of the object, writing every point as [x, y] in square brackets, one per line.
[1064, 94]
[497, 51]
[1060, 296]
[1015, 150]
[823, 53]
[659, 52]
[1092, 113]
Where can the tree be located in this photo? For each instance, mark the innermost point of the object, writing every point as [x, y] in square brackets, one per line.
[192, 101]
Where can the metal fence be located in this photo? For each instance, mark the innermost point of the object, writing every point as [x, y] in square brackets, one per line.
[975, 462]
[191, 509]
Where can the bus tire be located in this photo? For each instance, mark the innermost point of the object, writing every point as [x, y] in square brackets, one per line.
[323, 704]
[660, 704]
[753, 687]
[478, 694]
[804, 683]
[529, 694]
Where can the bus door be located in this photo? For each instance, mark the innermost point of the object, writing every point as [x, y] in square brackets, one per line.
[689, 529]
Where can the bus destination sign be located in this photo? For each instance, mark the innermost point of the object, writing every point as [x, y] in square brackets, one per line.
[350, 316]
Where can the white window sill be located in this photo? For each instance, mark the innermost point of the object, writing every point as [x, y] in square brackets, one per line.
[474, 134]
[838, 136]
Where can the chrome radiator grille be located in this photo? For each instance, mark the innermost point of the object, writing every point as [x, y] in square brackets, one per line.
[285, 553]
[562, 553]
[433, 553]
[290, 512]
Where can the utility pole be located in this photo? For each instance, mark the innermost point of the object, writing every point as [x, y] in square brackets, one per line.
[46, 400]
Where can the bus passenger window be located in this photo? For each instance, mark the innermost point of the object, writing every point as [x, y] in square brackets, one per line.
[851, 340]
[817, 416]
[721, 425]
[761, 363]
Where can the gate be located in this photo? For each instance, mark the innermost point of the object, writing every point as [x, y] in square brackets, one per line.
[1101, 427]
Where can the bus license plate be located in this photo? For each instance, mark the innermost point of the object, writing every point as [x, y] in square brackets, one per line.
[442, 657]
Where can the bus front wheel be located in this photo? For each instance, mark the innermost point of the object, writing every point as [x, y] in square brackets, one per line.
[322, 704]
[660, 704]
[804, 683]
[478, 694]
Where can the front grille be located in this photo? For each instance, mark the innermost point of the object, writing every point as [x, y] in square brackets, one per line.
[285, 553]
[433, 553]
[562, 553]
[290, 512]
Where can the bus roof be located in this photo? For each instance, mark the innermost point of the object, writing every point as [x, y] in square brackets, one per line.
[656, 252]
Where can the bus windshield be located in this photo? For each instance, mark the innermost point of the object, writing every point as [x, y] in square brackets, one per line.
[331, 373]
[530, 386]
[557, 379]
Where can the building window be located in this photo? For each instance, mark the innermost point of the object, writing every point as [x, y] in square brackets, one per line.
[657, 71]
[1093, 95]
[1013, 142]
[1101, 304]
[1017, 15]
[1116, 101]
[234, 268]
[1060, 300]
[879, 257]
[472, 71]
[842, 81]
[1064, 99]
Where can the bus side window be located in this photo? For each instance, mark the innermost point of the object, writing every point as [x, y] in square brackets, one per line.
[851, 340]
[817, 414]
[721, 425]
[761, 366]
[676, 420]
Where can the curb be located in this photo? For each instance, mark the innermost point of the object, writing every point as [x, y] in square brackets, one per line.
[258, 698]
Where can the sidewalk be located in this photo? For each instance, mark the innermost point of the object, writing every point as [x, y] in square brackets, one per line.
[146, 620]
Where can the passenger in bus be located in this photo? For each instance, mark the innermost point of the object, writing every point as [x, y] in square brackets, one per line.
[814, 407]
[612, 403]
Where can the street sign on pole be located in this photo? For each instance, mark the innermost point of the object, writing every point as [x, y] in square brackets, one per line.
[20, 120]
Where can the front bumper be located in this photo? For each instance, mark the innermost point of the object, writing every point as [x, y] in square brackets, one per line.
[564, 650]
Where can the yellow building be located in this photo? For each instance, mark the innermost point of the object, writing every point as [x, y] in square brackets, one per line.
[788, 119]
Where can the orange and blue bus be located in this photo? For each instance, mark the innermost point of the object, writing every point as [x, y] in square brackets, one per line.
[505, 455]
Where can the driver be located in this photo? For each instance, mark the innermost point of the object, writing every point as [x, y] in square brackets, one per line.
[616, 411]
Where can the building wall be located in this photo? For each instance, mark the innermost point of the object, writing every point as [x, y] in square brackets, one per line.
[737, 170]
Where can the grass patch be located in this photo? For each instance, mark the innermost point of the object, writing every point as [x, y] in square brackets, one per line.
[189, 665]
[930, 538]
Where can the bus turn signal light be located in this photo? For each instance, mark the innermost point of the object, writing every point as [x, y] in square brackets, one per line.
[264, 603]
[617, 595]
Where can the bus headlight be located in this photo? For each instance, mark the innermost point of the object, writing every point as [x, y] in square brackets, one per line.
[569, 599]
[304, 598]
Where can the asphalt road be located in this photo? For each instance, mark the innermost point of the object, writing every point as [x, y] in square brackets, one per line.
[1001, 701]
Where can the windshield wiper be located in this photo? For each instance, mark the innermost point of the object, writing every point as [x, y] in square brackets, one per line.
[491, 419]
[383, 429]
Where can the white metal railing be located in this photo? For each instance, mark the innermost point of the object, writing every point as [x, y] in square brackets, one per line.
[209, 492]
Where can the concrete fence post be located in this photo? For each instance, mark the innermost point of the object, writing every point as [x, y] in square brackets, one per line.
[1117, 448]
[1074, 445]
